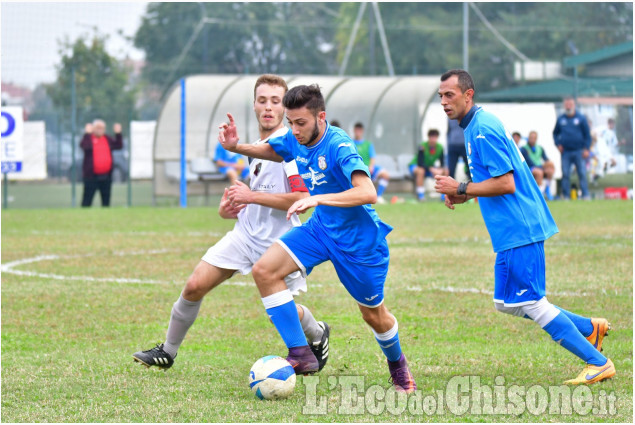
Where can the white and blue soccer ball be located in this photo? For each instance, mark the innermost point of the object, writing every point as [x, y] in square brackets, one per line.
[271, 378]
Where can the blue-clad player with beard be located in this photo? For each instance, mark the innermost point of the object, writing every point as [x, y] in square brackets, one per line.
[343, 229]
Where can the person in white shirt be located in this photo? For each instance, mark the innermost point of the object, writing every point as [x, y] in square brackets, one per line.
[261, 213]
[606, 149]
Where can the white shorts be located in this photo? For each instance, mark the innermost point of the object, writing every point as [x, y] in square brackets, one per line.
[232, 253]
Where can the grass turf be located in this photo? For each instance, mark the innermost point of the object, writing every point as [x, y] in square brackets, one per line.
[67, 341]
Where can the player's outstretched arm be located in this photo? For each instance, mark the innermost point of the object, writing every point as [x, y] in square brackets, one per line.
[228, 137]
[362, 193]
[240, 193]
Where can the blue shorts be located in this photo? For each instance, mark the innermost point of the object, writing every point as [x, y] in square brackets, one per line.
[243, 175]
[362, 274]
[519, 275]
[412, 167]
[376, 172]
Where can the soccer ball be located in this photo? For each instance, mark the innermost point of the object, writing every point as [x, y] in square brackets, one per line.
[271, 378]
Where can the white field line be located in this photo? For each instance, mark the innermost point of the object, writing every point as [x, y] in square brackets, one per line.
[453, 289]
[134, 233]
[10, 268]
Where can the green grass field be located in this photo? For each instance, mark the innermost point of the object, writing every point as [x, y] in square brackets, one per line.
[69, 326]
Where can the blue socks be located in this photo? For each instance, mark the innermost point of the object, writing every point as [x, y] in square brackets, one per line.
[389, 343]
[583, 324]
[284, 315]
[565, 333]
[381, 186]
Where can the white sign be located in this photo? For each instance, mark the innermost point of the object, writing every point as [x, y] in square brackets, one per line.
[141, 149]
[34, 159]
[12, 132]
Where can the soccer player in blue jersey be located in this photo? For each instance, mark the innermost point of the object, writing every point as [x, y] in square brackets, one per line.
[343, 229]
[518, 221]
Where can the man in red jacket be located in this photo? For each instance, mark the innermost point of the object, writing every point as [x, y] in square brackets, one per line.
[97, 167]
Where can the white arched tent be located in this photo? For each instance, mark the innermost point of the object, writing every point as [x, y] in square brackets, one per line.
[391, 108]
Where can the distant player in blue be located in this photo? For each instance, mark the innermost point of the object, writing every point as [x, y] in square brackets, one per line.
[518, 221]
[366, 150]
[343, 229]
[232, 165]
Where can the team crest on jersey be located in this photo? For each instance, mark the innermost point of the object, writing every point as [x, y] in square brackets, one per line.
[257, 169]
[322, 162]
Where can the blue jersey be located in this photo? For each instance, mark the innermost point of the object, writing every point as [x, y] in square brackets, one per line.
[326, 167]
[512, 220]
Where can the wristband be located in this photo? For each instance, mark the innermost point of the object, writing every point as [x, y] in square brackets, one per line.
[462, 189]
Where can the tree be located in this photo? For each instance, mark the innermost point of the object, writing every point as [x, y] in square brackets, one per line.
[102, 88]
[238, 38]
[426, 38]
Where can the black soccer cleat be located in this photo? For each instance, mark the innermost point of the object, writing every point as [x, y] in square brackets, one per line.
[321, 349]
[154, 357]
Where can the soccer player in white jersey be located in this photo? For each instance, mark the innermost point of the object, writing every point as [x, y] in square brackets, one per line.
[343, 229]
[519, 222]
[262, 218]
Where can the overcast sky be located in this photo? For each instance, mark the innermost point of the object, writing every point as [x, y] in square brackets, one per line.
[30, 34]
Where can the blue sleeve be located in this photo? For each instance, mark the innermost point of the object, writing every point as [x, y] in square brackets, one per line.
[349, 160]
[220, 153]
[586, 133]
[283, 147]
[371, 151]
[556, 131]
[492, 145]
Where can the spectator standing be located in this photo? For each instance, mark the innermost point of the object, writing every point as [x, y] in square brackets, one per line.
[97, 166]
[573, 139]
[517, 138]
[605, 150]
[539, 164]
[456, 146]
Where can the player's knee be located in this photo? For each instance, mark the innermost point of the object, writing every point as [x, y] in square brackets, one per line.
[541, 312]
[262, 273]
[514, 311]
[195, 288]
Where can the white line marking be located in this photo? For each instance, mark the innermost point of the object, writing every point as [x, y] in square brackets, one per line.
[10, 268]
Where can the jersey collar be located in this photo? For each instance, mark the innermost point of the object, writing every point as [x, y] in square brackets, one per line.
[468, 118]
[326, 130]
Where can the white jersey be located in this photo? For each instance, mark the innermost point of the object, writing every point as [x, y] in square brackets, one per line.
[260, 226]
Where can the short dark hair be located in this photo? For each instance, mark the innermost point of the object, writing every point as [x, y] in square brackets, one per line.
[301, 96]
[433, 132]
[336, 123]
[464, 77]
[515, 133]
[272, 80]
[359, 125]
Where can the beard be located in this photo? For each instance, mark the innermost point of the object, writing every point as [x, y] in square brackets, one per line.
[316, 133]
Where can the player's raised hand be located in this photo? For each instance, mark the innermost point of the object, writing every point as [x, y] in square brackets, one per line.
[117, 128]
[302, 206]
[228, 134]
[240, 193]
[88, 128]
